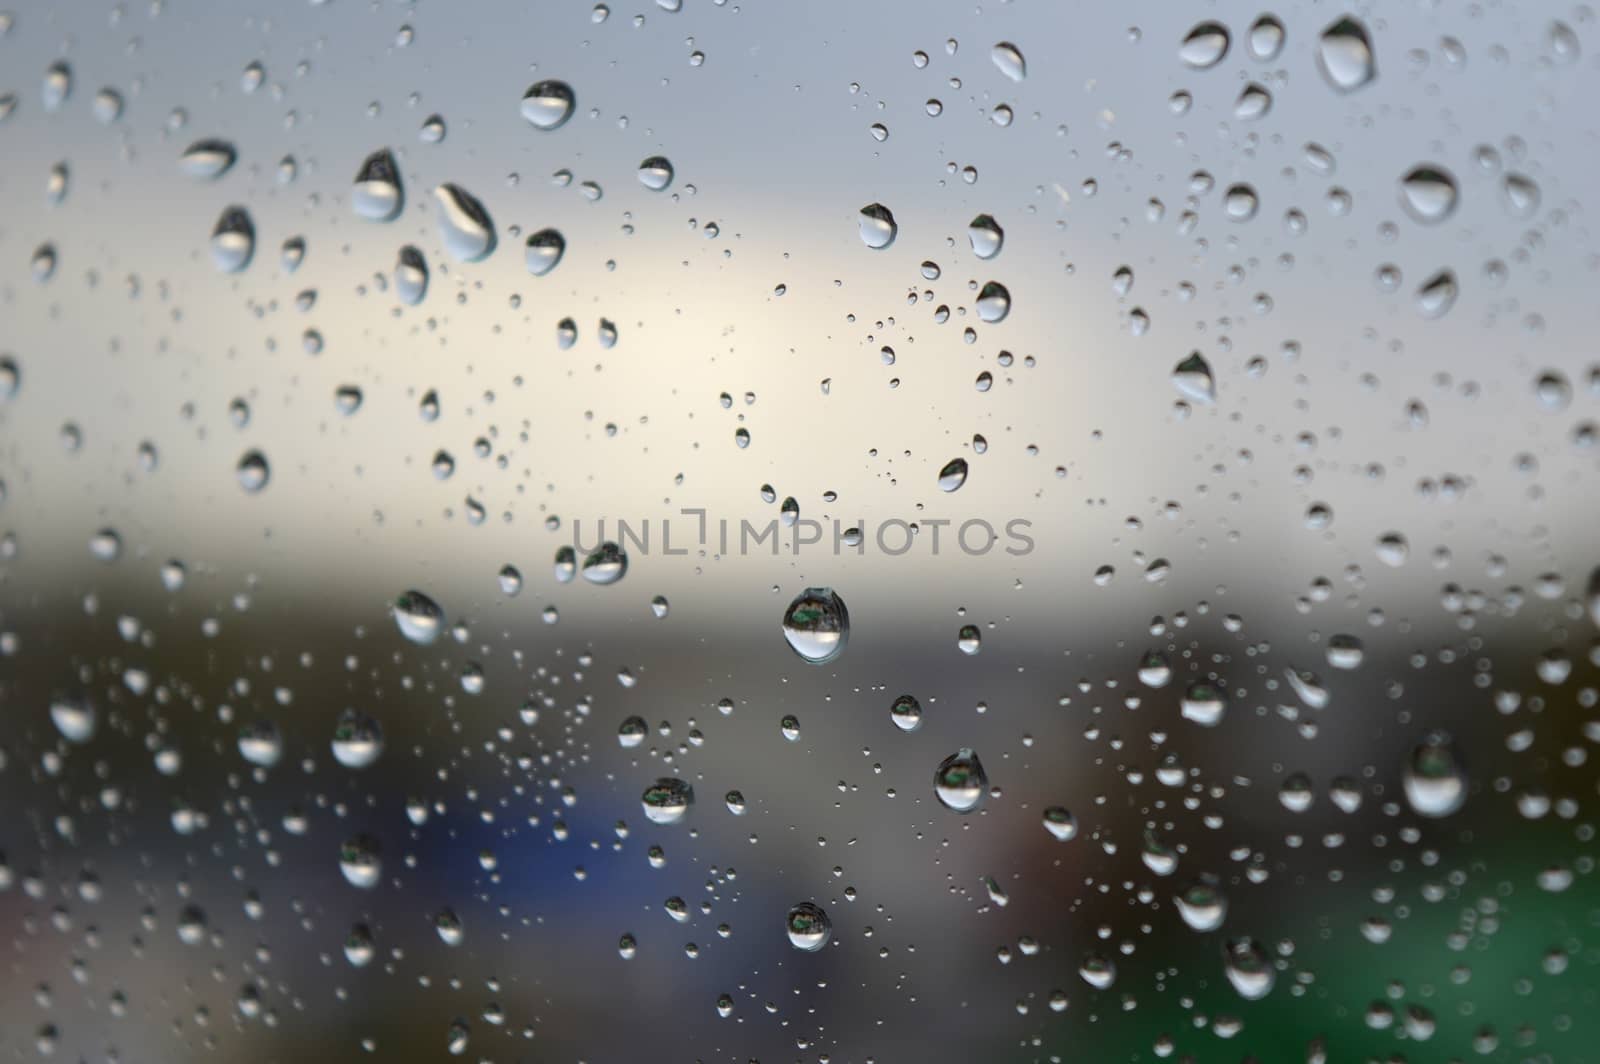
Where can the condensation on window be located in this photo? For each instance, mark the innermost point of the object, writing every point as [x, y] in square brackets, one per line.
[830, 532]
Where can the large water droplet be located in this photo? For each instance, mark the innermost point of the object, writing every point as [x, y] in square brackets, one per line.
[361, 861]
[1428, 193]
[233, 240]
[877, 226]
[1435, 783]
[1202, 905]
[253, 471]
[1249, 968]
[1204, 45]
[420, 619]
[960, 782]
[74, 718]
[667, 800]
[548, 104]
[1266, 38]
[817, 625]
[809, 927]
[953, 475]
[994, 302]
[1204, 704]
[606, 564]
[985, 236]
[208, 159]
[378, 194]
[1437, 294]
[410, 276]
[1344, 54]
[357, 740]
[1192, 377]
[464, 224]
[655, 173]
[1008, 59]
[906, 712]
[544, 251]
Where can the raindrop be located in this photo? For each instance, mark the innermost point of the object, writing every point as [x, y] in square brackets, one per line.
[544, 251]
[906, 712]
[1008, 59]
[1192, 377]
[605, 565]
[655, 173]
[420, 619]
[378, 195]
[994, 303]
[1204, 704]
[1060, 823]
[877, 226]
[953, 475]
[1435, 783]
[410, 276]
[960, 782]
[548, 104]
[1428, 193]
[209, 159]
[464, 224]
[233, 240]
[1204, 46]
[1344, 54]
[985, 236]
[667, 800]
[809, 927]
[357, 740]
[1266, 38]
[253, 471]
[817, 625]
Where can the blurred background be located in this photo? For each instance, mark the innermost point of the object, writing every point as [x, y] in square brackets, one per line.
[267, 376]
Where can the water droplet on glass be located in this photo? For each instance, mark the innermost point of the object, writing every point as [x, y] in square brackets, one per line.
[817, 625]
[1008, 59]
[994, 302]
[1204, 704]
[809, 927]
[655, 173]
[960, 782]
[1435, 783]
[1266, 38]
[985, 236]
[1192, 377]
[253, 471]
[953, 475]
[1428, 193]
[357, 740]
[606, 564]
[361, 862]
[209, 159]
[667, 800]
[410, 276]
[906, 712]
[1249, 968]
[378, 194]
[1344, 54]
[74, 719]
[464, 224]
[544, 251]
[1060, 823]
[1437, 294]
[233, 240]
[1240, 203]
[1204, 45]
[1202, 905]
[548, 104]
[420, 619]
[877, 226]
